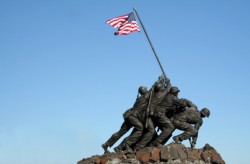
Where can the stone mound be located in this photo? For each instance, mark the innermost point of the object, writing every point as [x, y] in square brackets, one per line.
[169, 154]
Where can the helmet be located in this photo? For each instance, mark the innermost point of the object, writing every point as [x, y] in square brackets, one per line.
[142, 90]
[158, 87]
[174, 90]
[205, 112]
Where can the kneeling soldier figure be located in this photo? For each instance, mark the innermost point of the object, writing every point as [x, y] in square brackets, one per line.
[189, 121]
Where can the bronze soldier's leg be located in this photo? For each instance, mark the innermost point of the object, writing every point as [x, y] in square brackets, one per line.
[188, 129]
[126, 126]
[137, 133]
[149, 133]
[134, 136]
[167, 130]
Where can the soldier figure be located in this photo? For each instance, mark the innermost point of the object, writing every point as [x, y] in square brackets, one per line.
[184, 120]
[139, 138]
[163, 113]
[130, 120]
[160, 90]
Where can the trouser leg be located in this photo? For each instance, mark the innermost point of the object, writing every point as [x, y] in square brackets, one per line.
[149, 133]
[116, 136]
[167, 129]
[167, 138]
[188, 129]
[137, 132]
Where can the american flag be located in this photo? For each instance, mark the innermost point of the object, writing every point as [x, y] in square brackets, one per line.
[125, 24]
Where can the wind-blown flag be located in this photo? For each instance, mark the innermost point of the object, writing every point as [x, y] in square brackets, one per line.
[125, 24]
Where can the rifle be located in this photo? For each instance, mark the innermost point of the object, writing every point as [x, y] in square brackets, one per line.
[148, 107]
[162, 80]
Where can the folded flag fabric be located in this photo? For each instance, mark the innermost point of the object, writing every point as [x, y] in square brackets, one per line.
[125, 24]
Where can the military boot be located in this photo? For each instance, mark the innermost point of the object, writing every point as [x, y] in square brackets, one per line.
[155, 144]
[120, 147]
[117, 149]
[127, 147]
[105, 147]
[177, 139]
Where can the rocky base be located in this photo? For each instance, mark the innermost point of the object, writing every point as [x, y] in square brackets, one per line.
[169, 154]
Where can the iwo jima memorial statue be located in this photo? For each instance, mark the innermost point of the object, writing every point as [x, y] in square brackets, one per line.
[157, 108]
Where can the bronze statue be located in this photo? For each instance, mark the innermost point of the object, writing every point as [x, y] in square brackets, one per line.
[159, 107]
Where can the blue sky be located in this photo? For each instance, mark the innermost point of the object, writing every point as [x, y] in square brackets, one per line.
[65, 79]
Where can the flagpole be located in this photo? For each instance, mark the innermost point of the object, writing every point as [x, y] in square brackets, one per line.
[150, 42]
